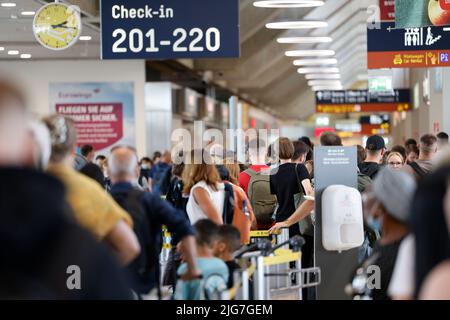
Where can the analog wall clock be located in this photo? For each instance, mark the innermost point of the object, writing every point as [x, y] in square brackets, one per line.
[57, 26]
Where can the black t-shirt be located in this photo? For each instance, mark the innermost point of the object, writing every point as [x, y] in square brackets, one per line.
[369, 169]
[232, 267]
[383, 257]
[284, 184]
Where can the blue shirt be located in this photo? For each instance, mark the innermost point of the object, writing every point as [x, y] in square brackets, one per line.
[159, 213]
[215, 278]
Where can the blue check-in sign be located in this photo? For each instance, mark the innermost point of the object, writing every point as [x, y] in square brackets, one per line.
[170, 29]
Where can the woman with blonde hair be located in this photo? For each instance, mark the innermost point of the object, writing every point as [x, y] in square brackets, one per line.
[395, 160]
[205, 188]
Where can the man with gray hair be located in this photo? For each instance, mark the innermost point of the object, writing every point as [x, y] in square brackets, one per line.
[428, 147]
[149, 213]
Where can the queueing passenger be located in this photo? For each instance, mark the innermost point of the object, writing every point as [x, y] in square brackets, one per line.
[436, 284]
[205, 189]
[400, 149]
[382, 207]
[301, 151]
[423, 166]
[149, 213]
[375, 148]
[144, 174]
[395, 160]
[412, 154]
[410, 143]
[36, 225]
[362, 154]
[243, 217]
[93, 208]
[228, 243]
[85, 156]
[290, 182]
[95, 172]
[160, 175]
[214, 272]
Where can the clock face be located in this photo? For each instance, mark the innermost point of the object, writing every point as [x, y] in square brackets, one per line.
[57, 26]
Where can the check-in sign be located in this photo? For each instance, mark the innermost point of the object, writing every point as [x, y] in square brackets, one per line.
[170, 29]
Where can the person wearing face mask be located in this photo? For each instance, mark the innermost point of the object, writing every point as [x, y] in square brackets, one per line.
[146, 166]
[382, 207]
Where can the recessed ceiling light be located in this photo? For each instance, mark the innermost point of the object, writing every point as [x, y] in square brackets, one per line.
[315, 62]
[25, 56]
[310, 53]
[313, 83]
[85, 38]
[8, 4]
[13, 52]
[322, 76]
[304, 40]
[2, 48]
[28, 13]
[288, 3]
[326, 88]
[297, 25]
[317, 70]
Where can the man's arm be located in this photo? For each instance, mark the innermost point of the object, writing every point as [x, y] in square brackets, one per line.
[123, 241]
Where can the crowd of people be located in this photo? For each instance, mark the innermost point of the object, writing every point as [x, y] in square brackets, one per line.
[65, 206]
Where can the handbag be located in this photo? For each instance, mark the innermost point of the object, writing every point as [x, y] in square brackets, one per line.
[306, 225]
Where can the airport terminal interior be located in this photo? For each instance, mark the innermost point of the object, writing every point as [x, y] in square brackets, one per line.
[233, 150]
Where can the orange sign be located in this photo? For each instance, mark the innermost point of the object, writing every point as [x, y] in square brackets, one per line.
[408, 59]
[369, 107]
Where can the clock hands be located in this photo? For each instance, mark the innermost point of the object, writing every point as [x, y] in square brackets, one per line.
[62, 25]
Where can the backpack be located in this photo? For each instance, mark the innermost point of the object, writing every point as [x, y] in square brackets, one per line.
[142, 266]
[363, 182]
[242, 214]
[228, 204]
[161, 180]
[263, 202]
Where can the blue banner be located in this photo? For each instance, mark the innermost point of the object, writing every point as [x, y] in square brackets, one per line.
[170, 29]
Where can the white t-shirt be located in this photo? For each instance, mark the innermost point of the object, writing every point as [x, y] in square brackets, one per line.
[194, 211]
[402, 281]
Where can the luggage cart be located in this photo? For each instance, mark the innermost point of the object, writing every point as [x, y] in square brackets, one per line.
[277, 273]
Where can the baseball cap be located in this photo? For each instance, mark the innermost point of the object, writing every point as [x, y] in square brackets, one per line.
[395, 190]
[375, 143]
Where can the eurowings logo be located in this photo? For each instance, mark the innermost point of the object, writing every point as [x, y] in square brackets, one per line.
[79, 94]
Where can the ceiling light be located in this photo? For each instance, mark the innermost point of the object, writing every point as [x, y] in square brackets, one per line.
[288, 3]
[85, 38]
[315, 62]
[310, 53]
[25, 56]
[304, 40]
[317, 70]
[28, 13]
[13, 52]
[8, 4]
[297, 25]
[326, 88]
[330, 76]
[2, 49]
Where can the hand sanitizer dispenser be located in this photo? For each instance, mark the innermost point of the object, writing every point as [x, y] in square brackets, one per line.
[342, 218]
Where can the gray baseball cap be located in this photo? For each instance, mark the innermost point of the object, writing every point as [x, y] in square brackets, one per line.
[395, 190]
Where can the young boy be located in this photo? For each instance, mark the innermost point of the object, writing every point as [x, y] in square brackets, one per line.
[213, 270]
[229, 241]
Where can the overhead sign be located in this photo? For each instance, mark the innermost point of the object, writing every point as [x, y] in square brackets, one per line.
[420, 13]
[389, 47]
[362, 101]
[169, 29]
[380, 83]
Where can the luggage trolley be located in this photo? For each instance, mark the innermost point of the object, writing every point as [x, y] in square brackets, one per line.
[277, 271]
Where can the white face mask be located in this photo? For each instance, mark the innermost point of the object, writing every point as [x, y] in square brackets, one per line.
[145, 166]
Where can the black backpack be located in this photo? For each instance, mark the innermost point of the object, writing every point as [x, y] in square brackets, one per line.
[418, 170]
[228, 204]
[147, 261]
[161, 180]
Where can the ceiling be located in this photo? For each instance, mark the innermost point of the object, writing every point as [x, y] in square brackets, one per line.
[262, 74]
